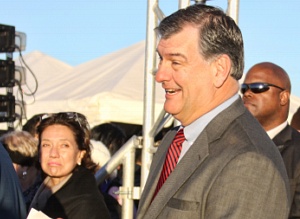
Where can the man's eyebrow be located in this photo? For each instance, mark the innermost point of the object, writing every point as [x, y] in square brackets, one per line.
[174, 55]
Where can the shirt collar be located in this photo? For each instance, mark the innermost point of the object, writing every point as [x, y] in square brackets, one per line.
[273, 132]
[192, 131]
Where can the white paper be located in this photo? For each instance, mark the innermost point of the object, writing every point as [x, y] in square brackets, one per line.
[35, 214]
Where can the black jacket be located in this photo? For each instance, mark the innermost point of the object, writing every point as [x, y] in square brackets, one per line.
[288, 143]
[78, 198]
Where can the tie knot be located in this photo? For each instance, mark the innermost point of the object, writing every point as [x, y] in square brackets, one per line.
[179, 137]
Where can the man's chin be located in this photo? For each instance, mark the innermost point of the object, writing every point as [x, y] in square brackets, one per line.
[251, 109]
[170, 109]
[248, 106]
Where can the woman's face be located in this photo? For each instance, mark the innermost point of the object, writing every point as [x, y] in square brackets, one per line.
[59, 153]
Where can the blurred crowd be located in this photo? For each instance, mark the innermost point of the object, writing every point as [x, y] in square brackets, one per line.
[25, 174]
[44, 157]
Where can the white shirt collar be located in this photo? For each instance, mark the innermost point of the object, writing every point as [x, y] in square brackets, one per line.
[273, 132]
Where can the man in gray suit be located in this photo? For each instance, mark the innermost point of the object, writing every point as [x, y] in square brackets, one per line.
[228, 166]
[266, 94]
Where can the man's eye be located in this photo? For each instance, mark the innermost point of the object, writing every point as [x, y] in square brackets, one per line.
[160, 60]
[159, 57]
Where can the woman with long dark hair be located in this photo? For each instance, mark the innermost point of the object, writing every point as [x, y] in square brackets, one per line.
[69, 189]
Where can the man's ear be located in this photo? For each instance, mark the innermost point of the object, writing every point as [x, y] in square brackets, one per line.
[222, 67]
[284, 97]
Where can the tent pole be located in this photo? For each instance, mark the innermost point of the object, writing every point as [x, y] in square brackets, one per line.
[149, 90]
[233, 10]
[154, 14]
[183, 3]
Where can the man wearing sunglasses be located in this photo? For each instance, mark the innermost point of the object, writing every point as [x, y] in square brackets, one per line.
[266, 94]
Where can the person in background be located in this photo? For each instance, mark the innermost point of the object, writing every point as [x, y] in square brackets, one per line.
[12, 203]
[111, 135]
[266, 94]
[69, 190]
[23, 151]
[32, 123]
[295, 122]
[101, 155]
[225, 166]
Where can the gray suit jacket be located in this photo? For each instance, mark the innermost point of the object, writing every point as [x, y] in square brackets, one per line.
[233, 170]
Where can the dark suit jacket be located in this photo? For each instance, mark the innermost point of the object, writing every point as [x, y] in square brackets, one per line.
[233, 170]
[12, 203]
[288, 143]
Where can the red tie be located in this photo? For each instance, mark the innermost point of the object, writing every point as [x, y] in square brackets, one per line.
[171, 159]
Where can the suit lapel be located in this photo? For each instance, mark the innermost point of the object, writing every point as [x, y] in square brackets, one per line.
[282, 138]
[194, 157]
[154, 174]
[182, 172]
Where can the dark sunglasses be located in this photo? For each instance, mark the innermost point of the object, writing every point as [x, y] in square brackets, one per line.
[258, 87]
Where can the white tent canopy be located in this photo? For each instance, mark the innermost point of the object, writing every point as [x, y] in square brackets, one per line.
[109, 88]
[46, 69]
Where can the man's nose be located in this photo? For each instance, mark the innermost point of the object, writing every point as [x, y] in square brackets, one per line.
[162, 73]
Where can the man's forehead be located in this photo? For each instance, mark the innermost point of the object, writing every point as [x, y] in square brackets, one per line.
[262, 75]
